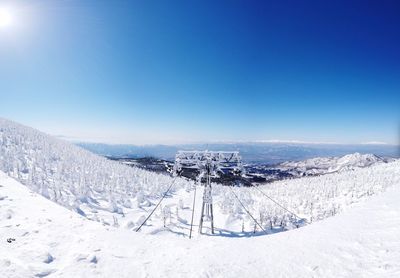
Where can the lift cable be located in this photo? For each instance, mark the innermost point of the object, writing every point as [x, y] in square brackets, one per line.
[300, 218]
[165, 194]
[194, 203]
[255, 221]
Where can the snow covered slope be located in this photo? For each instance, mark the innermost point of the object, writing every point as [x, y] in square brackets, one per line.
[325, 165]
[39, 238]
[72, 176]
[122, 196]
[51, 241]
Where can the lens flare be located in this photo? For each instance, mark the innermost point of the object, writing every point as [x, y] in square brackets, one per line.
[5, 18]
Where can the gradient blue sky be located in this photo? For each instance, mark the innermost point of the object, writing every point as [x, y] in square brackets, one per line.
[182, 71]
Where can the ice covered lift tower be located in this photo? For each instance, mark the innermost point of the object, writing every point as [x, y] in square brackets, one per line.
[209, 164]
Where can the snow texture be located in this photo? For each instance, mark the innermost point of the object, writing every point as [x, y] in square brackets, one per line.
[326, 165]
[72, 176]
[50, 241]
[121, 196]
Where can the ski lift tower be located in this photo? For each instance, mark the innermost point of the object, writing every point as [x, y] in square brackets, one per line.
[209, 164]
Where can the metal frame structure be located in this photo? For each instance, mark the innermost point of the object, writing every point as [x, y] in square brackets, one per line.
[209, 164]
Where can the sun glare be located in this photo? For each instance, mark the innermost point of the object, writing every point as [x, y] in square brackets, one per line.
[5, 18]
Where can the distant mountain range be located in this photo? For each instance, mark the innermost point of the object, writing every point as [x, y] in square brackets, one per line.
[259, 152]
[326, 165]
[261, 173]
[125, 222]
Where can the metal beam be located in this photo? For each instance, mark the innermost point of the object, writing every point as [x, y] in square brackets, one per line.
[210, 164]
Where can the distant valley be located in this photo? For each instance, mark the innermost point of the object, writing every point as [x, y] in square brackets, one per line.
[257, 173]
[251, 152]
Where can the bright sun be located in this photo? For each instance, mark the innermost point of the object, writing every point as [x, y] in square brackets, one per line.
[5, 18]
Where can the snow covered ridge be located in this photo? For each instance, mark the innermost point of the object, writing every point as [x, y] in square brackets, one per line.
[46, 240]
[326, 165]
[108, 192]
[70, 175]
[50, 241]
[314, 198]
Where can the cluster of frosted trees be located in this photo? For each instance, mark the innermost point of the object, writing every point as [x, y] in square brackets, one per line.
[311, 198]
[70, 175]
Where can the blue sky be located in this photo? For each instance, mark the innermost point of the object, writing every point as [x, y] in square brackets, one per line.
[186, 71]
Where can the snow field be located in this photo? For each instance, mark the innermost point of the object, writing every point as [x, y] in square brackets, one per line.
[51, 241]
[122, 196]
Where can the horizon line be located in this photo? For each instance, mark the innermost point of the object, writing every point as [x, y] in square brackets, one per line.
[269, 141]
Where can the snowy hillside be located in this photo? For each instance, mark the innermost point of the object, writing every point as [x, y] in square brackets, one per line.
[46, 240]
[325, 165]
[114, 194]
[72, 176]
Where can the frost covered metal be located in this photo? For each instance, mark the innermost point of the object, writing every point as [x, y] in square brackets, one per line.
[210, 164]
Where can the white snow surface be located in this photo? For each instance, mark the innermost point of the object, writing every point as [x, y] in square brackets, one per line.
[72, 176]
[74, 214]
[121, 196]
[51, 241]
[326, 165]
